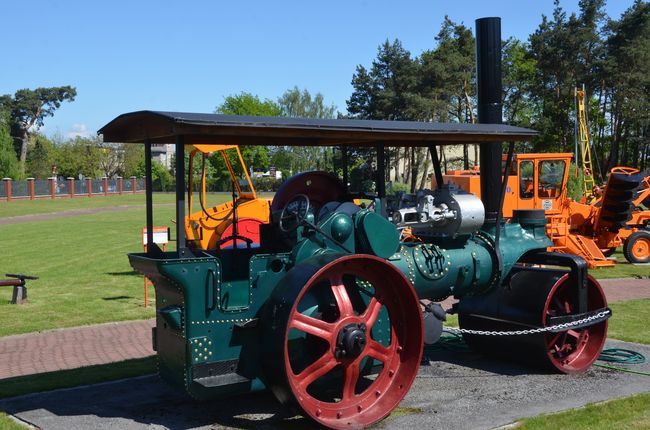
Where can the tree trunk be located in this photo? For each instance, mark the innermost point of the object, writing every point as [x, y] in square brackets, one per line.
[387, 167]
[23, 151]
[466, 156]
[414, 171]
[407, 166]
[443, 158]
[635, 149]
[624, 153]
[425, 171]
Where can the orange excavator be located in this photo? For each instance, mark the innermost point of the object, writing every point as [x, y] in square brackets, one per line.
[591, 230]
[231, 224]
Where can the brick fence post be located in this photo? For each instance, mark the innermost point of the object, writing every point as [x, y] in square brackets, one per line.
[89, 185]
[31, 189]
[71, 181]
[105, 185]
[133, 184]
[7, 182]
[119, 185]
[52, 187]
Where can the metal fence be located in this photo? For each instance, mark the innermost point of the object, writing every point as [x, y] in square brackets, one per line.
[70, 187]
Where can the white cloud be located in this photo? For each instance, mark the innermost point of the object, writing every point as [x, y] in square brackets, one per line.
[78, 130]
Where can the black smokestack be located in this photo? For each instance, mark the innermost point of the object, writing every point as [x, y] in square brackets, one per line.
[488, 76]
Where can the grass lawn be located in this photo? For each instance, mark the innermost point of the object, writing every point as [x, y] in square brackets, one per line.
[40, 206]
[628, 413]
[622, 269]
[7, 423]
[630, 321]
[85, 277]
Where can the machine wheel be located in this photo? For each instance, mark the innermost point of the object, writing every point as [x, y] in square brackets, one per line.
[637, 247]
[344, 345]
[570, 351]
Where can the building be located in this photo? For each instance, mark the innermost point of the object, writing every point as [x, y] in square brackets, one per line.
[163, 153]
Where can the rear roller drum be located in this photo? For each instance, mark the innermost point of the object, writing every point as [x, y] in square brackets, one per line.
[569, 351]
[344, 340]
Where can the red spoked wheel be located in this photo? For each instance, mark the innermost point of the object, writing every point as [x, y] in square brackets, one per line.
[574, 350]
[350, 341]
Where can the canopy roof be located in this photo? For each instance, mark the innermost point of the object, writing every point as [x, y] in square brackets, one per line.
[199, 128]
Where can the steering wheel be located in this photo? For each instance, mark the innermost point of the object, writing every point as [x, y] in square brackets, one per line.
[625, 170]
[297, 210]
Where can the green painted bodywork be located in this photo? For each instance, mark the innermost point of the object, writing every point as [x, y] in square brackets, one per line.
[208, 307]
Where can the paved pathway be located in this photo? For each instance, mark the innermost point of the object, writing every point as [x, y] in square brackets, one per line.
[106, 343]
[70, 348]
[618, 290]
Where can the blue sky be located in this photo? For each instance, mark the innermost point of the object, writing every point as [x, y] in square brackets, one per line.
[187, 56]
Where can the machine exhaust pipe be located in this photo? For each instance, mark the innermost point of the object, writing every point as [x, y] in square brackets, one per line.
[488, 73]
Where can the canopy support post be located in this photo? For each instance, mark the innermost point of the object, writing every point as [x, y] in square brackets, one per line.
[344, 161]
[152, 248]
[381, 175]
[181, 246]
[437, 169]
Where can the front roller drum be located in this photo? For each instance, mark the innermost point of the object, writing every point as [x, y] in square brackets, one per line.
[343, 340]
[568, 351]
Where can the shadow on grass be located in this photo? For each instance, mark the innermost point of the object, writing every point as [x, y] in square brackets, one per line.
[118, 298]
[126, 273]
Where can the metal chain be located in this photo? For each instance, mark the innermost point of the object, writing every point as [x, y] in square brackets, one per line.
[558, 327]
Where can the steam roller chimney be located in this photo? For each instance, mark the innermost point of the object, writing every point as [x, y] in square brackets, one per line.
[488, 76]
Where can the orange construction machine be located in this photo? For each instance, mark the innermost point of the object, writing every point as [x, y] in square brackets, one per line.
[231, 224]
[591, 230]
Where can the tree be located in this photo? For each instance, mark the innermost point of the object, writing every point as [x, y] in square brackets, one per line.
[300, 104]
[8, 161]
[448, 81]
[518, 73]
[110, 158]
[79, 156]
[41, 156]
[133, 158]
[248, 104]
[567, 52]
[29, 108]
[254, 156]
[628, 55]
[388, 90]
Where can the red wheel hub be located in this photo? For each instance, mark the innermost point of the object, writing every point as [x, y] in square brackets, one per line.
[354, 335]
